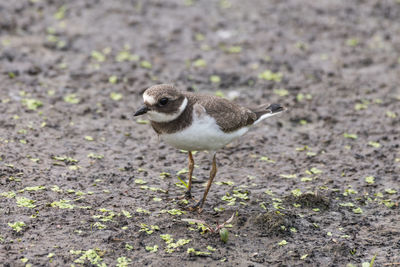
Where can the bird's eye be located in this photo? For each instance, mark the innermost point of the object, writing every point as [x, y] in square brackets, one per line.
[163, 101]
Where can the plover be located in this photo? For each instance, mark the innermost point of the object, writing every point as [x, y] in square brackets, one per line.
[196, 122]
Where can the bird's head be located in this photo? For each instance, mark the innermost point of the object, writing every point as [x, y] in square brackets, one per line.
[163, 103]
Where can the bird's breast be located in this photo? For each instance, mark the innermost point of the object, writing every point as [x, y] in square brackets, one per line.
[202, 134]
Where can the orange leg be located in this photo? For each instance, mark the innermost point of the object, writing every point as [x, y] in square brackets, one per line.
[191, 167]
[213, 172]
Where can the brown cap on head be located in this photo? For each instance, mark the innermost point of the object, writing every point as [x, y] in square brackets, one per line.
[162, 90]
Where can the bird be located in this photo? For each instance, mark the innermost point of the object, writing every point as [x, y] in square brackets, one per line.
[199, 122]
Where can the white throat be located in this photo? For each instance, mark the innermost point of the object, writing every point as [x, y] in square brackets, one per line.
[165, 117]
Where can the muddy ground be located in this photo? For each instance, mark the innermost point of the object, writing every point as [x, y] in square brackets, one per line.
[83, 182]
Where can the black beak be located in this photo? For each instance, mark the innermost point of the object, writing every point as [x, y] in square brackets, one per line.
[142, 110]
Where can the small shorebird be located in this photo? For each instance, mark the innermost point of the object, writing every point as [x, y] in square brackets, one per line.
[196, 122]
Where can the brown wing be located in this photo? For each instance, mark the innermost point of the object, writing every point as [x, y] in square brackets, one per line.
[228, 115]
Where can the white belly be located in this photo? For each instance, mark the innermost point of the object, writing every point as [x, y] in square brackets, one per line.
[202, 134]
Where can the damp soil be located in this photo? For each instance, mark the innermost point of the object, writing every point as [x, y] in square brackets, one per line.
[83, 182]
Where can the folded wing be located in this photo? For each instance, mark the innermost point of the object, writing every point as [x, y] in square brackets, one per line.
[228, 115]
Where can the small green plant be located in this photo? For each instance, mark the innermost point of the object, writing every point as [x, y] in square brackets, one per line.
[113, 79]
[183, 182]
[17, 226]
[352, 42]
[215, 79]
[66, 159]
[141, 210]
[271, 76]
[296, 192]
[127, 214]
[369, 179]
[116, 96]
[60, 14]
[283, 243]
[369, 264]
[72, 99]
[123, 262]
[9, 194]
[288, 176]
[224, 235]
[92, 255]
[281, 92]
[390, 191]
[149, 229]
[62, 204]
[171, 246]
[89, 138]
[140, 181]
[140, 121]
[350, 136]
[173, 212]
[374, 144]
[32, 104]
[145, 64]
[34, 188]
[234, 49]
[313, 171]
[219, 228]
[391, 114]
[267, 159]
[98, 56]
[199, 63]
[358, 210]
[192, 251]
[304, 257]
[25, 202]
[126, 56]
[152, 248]
[95, 156]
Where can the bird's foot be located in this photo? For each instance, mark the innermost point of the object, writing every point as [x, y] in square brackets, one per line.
[197, 207]
[188, 195]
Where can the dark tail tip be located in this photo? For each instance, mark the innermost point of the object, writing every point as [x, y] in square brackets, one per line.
[274, 108]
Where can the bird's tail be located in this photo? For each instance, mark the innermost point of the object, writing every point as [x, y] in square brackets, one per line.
[265, 112]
